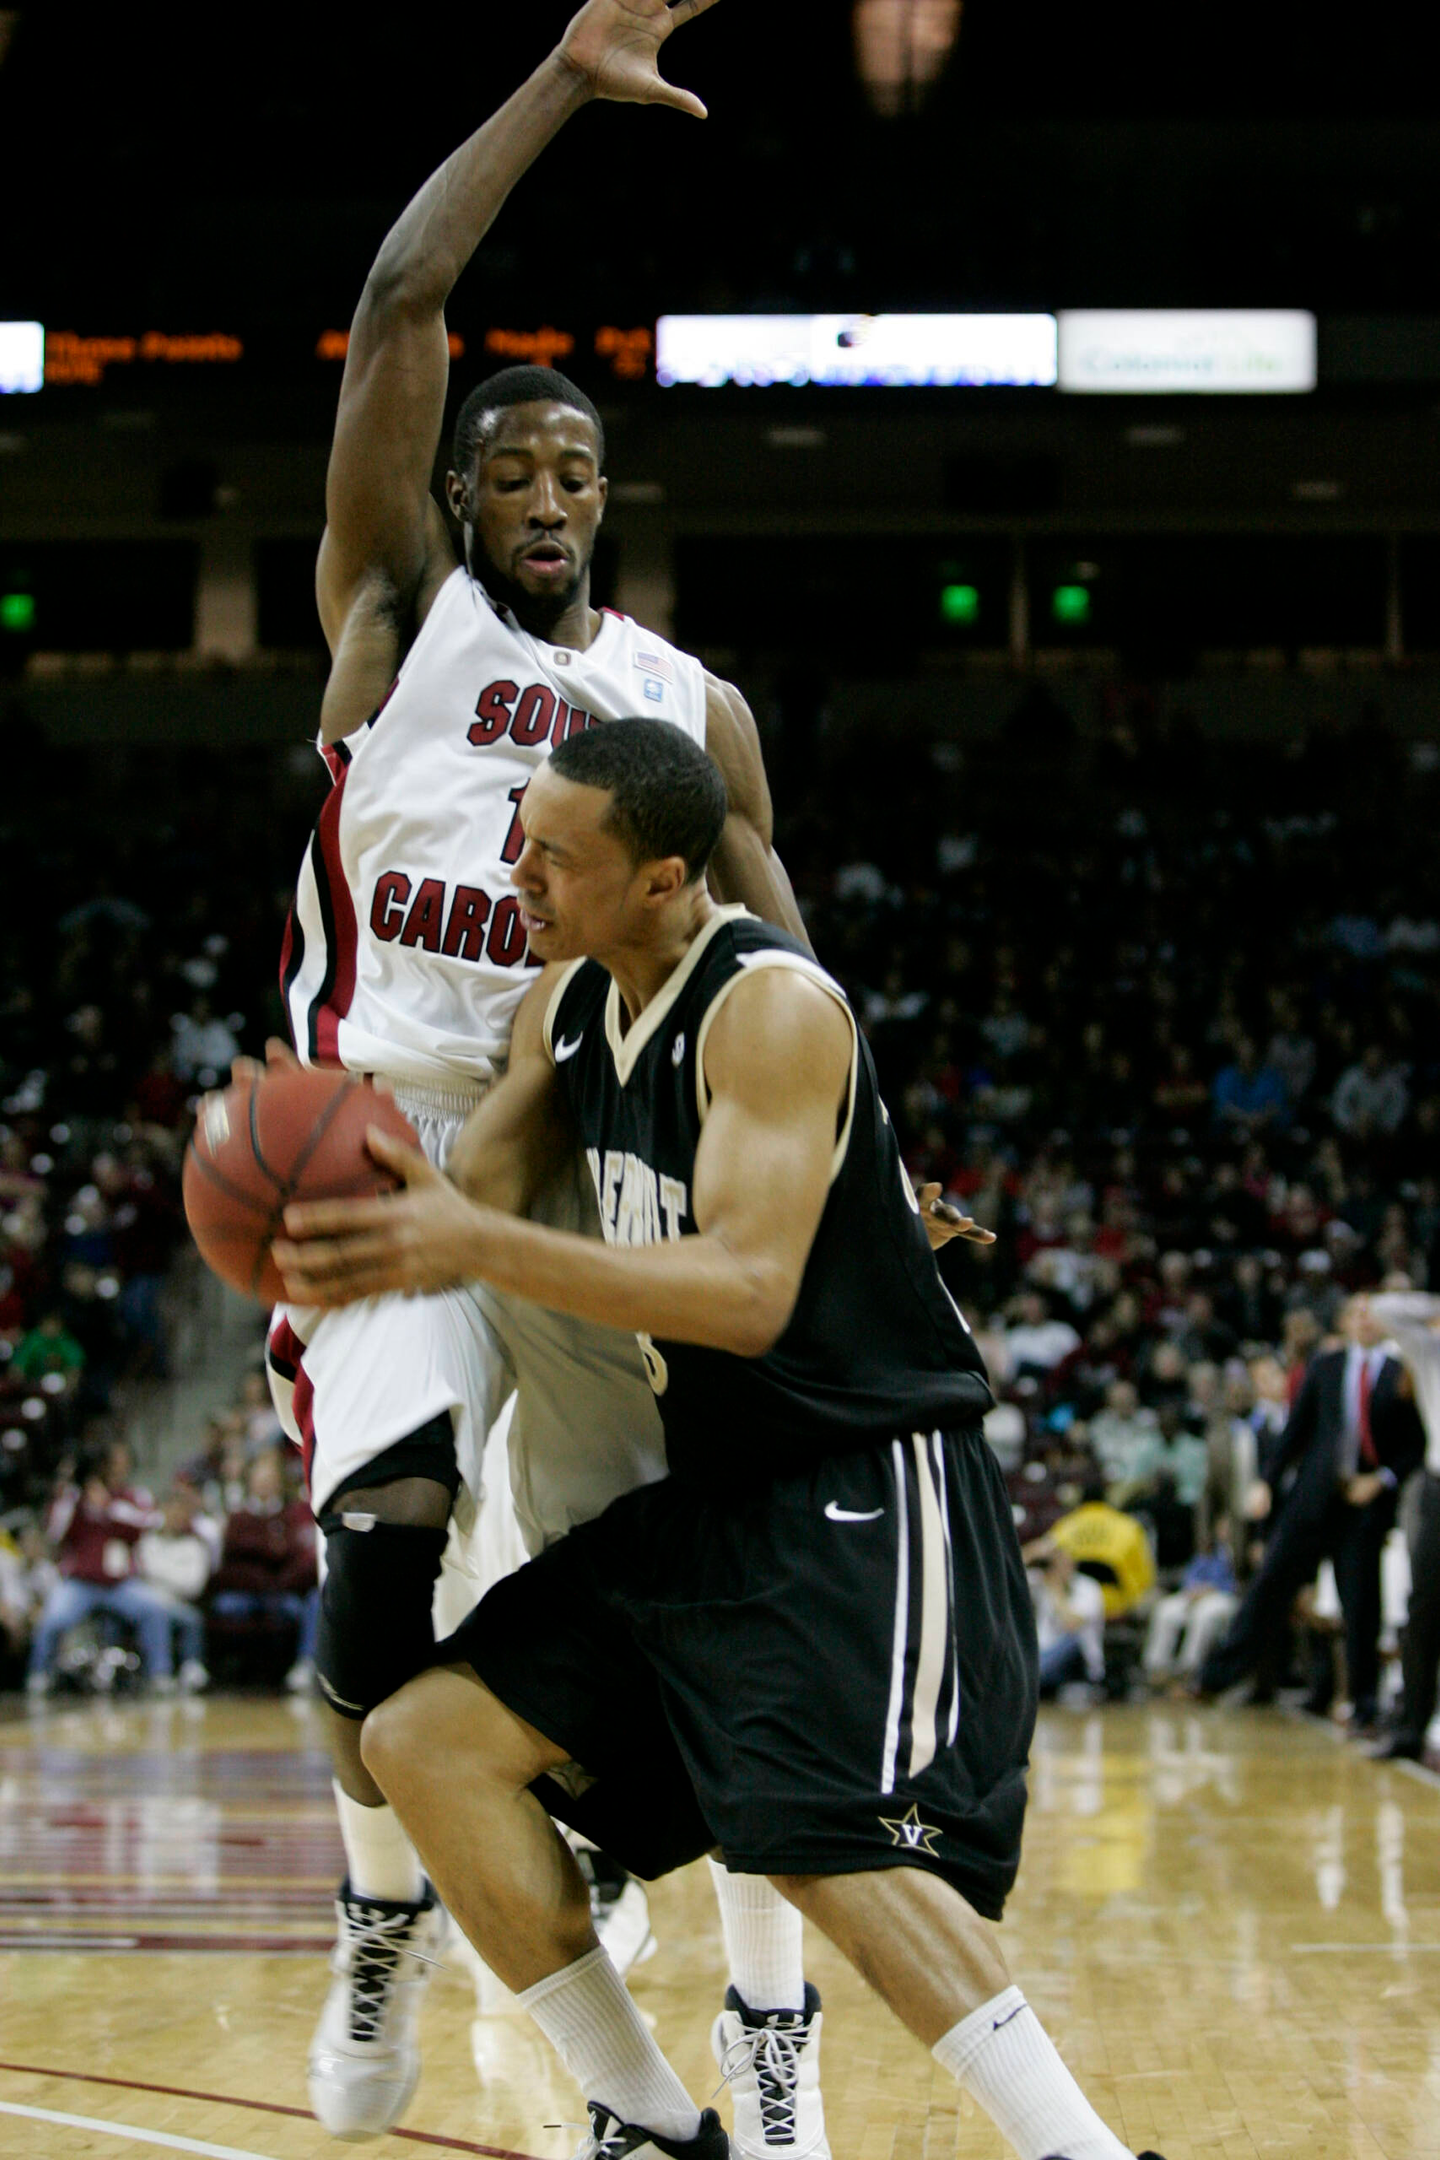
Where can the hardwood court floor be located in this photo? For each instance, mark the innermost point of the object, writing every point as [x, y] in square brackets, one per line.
[1231, 1925]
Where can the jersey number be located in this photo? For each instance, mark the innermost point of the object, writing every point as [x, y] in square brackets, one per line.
[657, 1372]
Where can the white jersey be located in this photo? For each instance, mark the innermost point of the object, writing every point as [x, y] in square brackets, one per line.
[405, 954]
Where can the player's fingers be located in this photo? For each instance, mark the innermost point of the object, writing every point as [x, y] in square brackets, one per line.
[398, 1155]
[243, 1069]
[336, 1218]
[974, 1235]
[683, 11]
[681, 100]
[279, 1052]
[337, 1280]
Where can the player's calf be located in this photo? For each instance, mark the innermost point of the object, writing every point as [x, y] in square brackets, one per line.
[383, 1548]
[938, 1965]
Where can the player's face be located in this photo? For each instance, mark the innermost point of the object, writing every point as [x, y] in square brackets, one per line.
[581, 892]
[534, 503]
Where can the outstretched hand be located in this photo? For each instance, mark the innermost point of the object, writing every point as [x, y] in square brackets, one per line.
[615, 46]
[943, 1222]
[420, 1239]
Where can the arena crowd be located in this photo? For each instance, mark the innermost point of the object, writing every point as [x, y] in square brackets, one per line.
[1160, 1010]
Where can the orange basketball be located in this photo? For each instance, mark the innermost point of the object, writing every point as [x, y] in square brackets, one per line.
[291, 1135]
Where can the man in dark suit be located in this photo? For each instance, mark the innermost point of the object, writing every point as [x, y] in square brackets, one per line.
[1352, 1439]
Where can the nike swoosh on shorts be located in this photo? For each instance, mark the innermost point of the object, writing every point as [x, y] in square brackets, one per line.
[565, 1050]
[834, 1513]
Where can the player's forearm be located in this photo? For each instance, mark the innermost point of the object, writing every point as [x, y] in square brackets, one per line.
[434, 238]
[693, 1289]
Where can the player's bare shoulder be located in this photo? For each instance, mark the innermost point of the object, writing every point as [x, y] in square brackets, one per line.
[371, 633]
[779, 1030]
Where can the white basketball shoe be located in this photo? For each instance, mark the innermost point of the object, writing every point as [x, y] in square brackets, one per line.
[770, 2059]
[365, 2056]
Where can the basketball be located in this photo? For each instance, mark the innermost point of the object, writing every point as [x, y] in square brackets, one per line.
[291, 1135]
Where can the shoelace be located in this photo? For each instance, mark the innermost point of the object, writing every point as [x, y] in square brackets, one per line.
[376, 1947]
[773, 2053]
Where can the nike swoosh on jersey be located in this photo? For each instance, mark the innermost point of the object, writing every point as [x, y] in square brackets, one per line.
[565, 1050]
[833, 1513]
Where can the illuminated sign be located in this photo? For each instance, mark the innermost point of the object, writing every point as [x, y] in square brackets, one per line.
[334, 344]
[896, 351]
[70, 359]
[22, 356]
[626, 352]
[1225, 351]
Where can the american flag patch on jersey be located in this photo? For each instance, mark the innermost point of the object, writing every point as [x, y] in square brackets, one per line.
[654, 663]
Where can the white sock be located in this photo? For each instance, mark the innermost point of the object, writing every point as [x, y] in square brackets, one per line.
[600, 2036]
[381, 1861]
[764, 1941]
[1007, 2062]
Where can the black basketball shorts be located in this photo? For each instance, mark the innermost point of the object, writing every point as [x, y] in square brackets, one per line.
[832, 1673]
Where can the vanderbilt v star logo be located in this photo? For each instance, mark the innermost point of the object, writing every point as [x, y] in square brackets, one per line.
[908, 1831]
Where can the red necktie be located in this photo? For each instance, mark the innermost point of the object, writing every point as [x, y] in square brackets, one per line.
[1368, 1455]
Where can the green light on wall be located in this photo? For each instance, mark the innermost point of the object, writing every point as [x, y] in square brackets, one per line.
[1070, 604]
[960, 604]
[17, 611]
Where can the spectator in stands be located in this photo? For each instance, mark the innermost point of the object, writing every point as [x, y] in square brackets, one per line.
[1120, 1431]
[268, 1566]
[1036, 1341]
[175, 1559]
[1248, 1097]
[95, 1522]
[1070, 1624]
[205, 1045]
[1371, 1097]
[1106, 1544]
[47, 1350]
[1184, 1625]
[1168, 1485]
[1290, 1051]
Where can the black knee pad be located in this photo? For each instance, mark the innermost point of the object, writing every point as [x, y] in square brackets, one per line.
[376, 1630]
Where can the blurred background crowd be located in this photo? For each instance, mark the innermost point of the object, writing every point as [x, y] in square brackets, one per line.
[1159, 1012]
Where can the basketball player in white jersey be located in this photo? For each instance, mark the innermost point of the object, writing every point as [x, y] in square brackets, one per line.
[406, 958]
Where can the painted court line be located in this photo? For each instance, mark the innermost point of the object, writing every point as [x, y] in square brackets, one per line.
[259, 2107]
[128, 2130]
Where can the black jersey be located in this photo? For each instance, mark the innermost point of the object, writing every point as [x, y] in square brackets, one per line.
[875, 1345]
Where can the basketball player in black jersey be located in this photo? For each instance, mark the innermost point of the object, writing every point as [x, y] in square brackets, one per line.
[811, 1644]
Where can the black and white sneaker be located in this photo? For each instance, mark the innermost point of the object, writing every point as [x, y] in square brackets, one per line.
[611, 2139]
[770, 2059]
[365, 2055]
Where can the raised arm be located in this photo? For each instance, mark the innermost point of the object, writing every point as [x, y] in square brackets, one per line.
[776, 1062]
[745, 866]
[384, 531]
